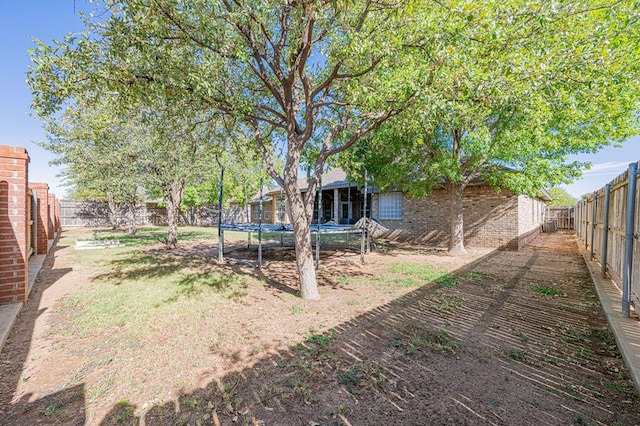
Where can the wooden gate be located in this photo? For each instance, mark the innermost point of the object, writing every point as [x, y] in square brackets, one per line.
[563, 216]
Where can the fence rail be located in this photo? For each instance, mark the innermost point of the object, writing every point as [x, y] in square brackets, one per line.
[564, 217]
[608, 223]
[96, 214]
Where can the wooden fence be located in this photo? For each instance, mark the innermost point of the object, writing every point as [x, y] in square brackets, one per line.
[95, 214]
[564, 217]
[607, 223]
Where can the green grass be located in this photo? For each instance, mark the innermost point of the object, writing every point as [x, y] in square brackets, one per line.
[53, 409]
[350, 379]
[623, 389]
[322, 340]
[445, 302]
[156, 234]
[440, 341]
[139, 292]
[296, 309]
[404, 275]
[475, 275]
[143, 296]
[547, 291]
[517, 355]
[425, 273]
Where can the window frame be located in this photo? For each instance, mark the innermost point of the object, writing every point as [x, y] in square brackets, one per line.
[393, 211]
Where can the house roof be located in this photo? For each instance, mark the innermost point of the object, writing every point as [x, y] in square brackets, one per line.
[545, 195]
[331, 179]
[337, 178]
[266, 195]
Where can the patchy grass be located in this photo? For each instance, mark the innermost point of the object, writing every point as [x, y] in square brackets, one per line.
[176, 338]
[52, 409]
[147, 296]
[445, 302]
[403, 275]
[350, 379]
[157, 234]
[547, 291]
[427, 339]
[517, 355]
[138, 292]
[322, 340]
[475, 275]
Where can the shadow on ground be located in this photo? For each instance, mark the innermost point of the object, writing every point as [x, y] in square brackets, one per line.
[512, 338]
[64, 402]
[516, 338]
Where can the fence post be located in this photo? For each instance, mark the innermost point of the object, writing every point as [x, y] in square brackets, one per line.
[585, 213]
[628, 239]
[320, 214]
[220, 231]
[364, 221]
[593, 223]
[605, 229]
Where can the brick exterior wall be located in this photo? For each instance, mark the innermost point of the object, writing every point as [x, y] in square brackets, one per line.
[530, 218]
[13, 224]
[270, 211]
[41, 191]
[491, 219]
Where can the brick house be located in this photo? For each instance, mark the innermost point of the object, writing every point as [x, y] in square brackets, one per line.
[342, 201]
[492, 218]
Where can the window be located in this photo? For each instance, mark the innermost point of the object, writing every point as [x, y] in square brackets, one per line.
[281, 208]
[266, 212]
[391, 205]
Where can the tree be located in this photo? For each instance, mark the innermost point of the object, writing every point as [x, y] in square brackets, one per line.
[242, 173]
[180, 146]
[279, 68]
[560, 197]
[514, 88]
[95, 145]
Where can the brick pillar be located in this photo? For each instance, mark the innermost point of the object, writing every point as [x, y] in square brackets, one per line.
[51, 214]
[14, 163]
[58, 224]
[41, 191]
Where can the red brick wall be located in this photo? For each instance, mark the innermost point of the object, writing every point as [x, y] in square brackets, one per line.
[490, 219]
[41, 191]
[51, 214]
[13, 224]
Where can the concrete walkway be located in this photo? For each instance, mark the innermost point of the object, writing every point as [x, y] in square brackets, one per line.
[9, 312]
[626, 330]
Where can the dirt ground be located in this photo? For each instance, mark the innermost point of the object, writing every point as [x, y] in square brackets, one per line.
[510, 338]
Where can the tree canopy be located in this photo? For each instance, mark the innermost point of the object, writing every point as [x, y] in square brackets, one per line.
[560, 197]
[279, 70]
[436, 93]
[513, 89]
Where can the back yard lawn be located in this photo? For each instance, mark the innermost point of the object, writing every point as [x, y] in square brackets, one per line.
[140, 334]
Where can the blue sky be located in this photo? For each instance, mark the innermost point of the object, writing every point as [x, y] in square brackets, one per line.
[23, 20]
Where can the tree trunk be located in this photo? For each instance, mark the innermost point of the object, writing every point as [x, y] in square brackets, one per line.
[132, 227]
[113, 211]
[172, 195]
[302, 236]
[456, 239]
